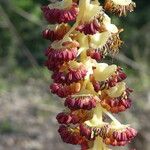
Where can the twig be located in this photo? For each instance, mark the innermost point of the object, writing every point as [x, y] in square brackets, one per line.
[27, 16]
[17, 38]
[129, 62]
[30, 17]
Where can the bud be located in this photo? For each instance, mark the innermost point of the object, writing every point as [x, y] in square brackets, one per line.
[120, 138]
[70, 74]
[81, 102]
[73, 117]
[65, 90]
[69, 135]
[57, 33]
[58, 15]
[66, 53]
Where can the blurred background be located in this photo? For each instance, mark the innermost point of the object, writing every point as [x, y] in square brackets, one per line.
[28, 110]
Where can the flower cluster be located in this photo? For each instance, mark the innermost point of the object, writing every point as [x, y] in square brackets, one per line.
[81, 36]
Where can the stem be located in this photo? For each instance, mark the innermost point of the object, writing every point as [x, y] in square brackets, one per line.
[97, 117]
[99, 145]
[82, 6]
[98, 113]
[84, 84]
[80, 50]
[112, 117]
[83, 55]
[90, 87]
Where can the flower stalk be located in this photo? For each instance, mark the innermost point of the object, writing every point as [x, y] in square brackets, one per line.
[82, 35]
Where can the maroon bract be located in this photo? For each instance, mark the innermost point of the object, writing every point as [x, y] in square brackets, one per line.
[112, 81]
[67, 118]
[54, 15]
[95, 54]
[85, 145]
[70, 136]
[90, 28]
[120, 138]
[72, 75]
[109, 135]
[55, 33]
[51, 35]
[56, 57]
[80, 102]
[116, 105]
[73, 117]
[65, 90]
[62, 54]
[85, 131]
[53, 65]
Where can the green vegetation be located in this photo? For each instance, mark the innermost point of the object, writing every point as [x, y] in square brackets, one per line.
[6, 127]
